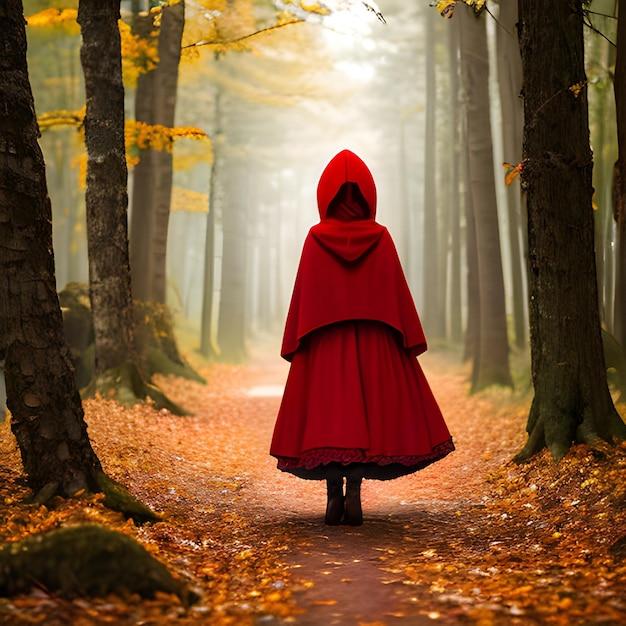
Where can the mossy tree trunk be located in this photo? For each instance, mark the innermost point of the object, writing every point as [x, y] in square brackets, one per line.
[572, 401]
[46, 413]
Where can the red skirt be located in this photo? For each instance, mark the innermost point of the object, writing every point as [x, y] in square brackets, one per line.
[355, 395]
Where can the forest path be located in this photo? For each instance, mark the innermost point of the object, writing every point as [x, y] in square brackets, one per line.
[470, 540]
[355, 575]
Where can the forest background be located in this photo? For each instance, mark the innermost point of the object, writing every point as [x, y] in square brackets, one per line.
[274, 108]
[229, 211]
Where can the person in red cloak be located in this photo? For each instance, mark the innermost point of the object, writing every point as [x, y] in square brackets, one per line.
[356, 402]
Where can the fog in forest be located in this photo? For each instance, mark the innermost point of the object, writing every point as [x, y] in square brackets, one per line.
[276, 109]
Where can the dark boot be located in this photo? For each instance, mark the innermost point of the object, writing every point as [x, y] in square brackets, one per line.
[353, 515]
[335, 503]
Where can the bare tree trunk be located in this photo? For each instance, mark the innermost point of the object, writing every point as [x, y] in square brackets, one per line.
[472, 333]
[156, 105]
[231, 322]
[215, 198]
[620, 178]
[601, 99]
[106, 196]
[46, 412]
[572, 400]
[491, 356]
[510, 82]
[430, 310]
[142, 201]
[456, 319]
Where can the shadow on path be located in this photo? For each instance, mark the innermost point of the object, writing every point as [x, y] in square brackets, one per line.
[346, 575]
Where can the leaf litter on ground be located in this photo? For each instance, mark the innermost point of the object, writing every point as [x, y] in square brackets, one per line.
[473, 539]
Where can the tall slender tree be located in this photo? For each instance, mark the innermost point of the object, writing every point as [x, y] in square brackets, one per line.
[231, 318]
[106, 195]
[510, 85]
[431, 312]
[490, 343]
[155, 104]
[454, 188]
[572, 400]
[116, 359]
[620, 178]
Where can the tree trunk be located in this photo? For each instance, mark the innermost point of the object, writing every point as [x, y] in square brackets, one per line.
[510, 82]
[620, 178]
[152, 191]
[142, 204]
[207, 347]
[572, 400]
[491, 354]
[454, 188]
[46, 412]
[602, 135]
[106, 197]
[430, 310]
[472, 333]
[231, 321]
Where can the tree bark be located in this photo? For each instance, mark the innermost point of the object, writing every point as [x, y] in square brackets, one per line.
[454, 188]
[431, 312]
[142, 204]
[207, 347]
[152, 189]
[510, 82]
[491, 350]
[572, 401]
[106, 196]
[620, 178]
[46, 412]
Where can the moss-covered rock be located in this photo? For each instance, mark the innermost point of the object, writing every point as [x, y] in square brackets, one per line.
[87, 560]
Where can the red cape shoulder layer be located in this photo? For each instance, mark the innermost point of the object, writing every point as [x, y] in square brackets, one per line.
[350, 271]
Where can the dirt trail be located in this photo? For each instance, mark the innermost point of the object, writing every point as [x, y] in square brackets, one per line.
[341, 572]
[470, 540]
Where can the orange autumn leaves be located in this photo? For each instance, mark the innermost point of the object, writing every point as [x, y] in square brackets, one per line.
[522, 545]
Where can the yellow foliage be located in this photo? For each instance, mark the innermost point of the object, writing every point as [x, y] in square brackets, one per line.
[160, 8]
[446, 8]
[315, 7]
[157, 137]
[477, 5]
[139, 55]
[61, 118]
[54, 17]
[80, 162]
[219, 24]
[285, 17]
[577, 88]
[190, 201]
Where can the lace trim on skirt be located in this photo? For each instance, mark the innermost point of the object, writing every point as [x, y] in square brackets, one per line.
[313, 459]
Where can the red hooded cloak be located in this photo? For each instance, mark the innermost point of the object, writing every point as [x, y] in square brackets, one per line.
[355, 391]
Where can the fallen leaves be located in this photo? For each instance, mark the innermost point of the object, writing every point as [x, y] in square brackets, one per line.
[473, 539]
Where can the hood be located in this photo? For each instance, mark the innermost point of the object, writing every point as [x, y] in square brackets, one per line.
[349, 241]
[352, 236]
[346, 167]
